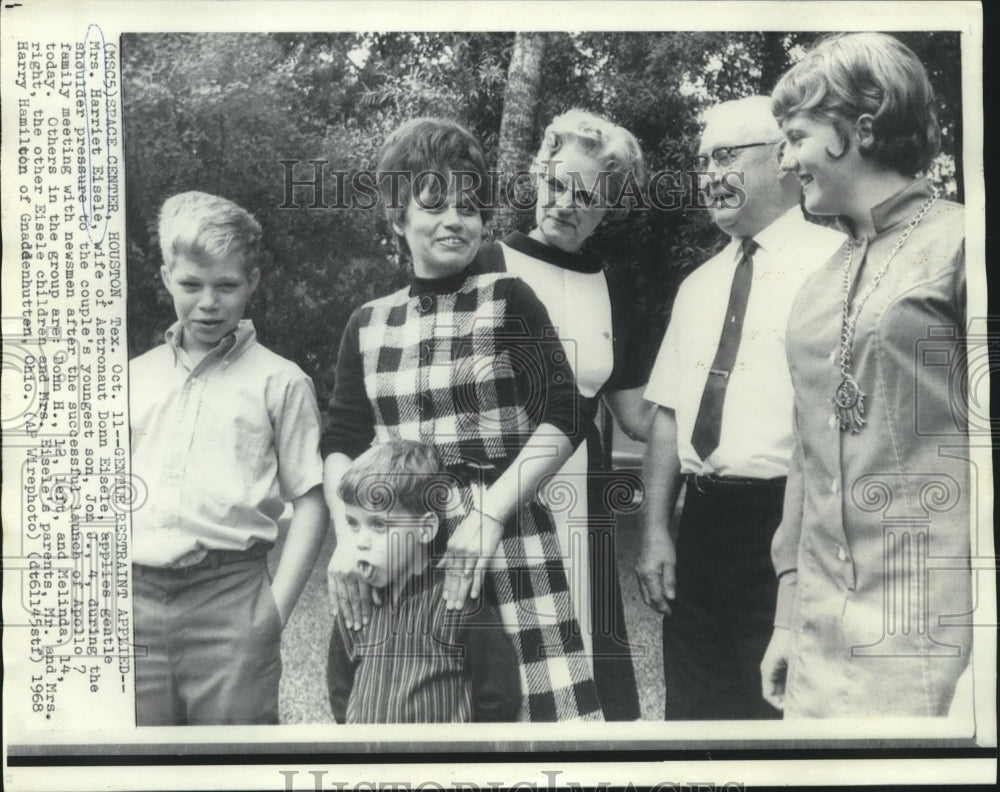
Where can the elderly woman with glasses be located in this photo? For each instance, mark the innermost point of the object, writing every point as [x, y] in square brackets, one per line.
[873, 614]
[585, 168]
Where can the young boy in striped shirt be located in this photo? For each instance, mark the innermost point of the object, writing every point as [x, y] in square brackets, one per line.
[415, 661]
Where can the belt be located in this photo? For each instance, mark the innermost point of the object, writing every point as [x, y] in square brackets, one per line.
[706, 484]
[215, 558]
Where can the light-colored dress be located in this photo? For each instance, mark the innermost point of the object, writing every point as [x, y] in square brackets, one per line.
[874, 560]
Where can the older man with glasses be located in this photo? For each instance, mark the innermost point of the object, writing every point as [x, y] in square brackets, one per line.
[723, 427]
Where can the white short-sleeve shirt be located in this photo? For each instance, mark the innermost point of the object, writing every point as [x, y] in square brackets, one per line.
[756, 434]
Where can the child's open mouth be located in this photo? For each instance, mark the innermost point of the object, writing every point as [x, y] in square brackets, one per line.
[366, 570]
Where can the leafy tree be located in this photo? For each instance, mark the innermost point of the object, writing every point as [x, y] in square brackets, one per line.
[219, 113]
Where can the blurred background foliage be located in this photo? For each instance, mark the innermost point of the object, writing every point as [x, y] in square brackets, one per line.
[218, 113]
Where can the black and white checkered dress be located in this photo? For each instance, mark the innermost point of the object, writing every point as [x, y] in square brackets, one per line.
[470, 364]
[573, 287]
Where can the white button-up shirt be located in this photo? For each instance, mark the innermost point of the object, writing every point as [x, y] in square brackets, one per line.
[218, 447]
[756, 433]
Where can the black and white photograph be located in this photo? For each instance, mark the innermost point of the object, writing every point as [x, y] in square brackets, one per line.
[611, 386]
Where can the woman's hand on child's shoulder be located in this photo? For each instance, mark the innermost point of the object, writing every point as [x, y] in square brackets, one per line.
[349, 594]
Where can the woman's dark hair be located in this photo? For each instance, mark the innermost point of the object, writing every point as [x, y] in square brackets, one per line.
[430, 149]
[850, 75]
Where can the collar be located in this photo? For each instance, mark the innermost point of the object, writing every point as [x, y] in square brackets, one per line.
[772, 238]
[581, 261]
[228, 349]
[902, 206]
[445, 285]
[417, 581]
[449, 283]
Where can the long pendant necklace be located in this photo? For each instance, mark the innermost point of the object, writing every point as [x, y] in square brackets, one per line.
[849, 399]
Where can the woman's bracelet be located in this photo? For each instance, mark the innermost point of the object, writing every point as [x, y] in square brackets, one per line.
[487, 516]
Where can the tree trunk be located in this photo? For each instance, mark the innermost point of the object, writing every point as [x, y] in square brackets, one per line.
[773, 61]
[517, 126]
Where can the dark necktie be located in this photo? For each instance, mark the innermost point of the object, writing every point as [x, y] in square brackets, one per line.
[708, 424]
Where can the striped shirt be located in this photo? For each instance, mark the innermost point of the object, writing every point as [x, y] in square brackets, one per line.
[416, 662]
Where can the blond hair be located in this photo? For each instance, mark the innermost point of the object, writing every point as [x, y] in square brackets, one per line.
[613, 147]
[202, 226]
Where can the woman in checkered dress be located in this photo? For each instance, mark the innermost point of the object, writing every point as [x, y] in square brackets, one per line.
[465, 358]
[582, 166]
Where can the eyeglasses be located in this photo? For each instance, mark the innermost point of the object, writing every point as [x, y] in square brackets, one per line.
[725, 155]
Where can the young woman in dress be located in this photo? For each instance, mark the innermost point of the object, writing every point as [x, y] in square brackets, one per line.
[873, 550]
[466, 360]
